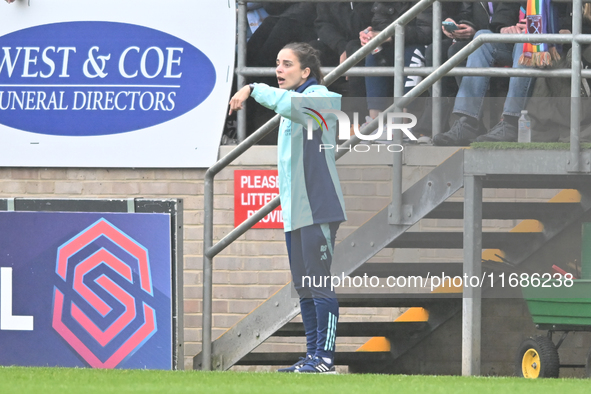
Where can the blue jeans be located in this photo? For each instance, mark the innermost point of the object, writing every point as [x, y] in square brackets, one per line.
[472, 90]
[380, 90]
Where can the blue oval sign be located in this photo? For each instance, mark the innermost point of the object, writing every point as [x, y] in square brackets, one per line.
[98, 78]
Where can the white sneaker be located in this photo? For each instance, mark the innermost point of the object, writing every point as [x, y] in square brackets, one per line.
[424, 140]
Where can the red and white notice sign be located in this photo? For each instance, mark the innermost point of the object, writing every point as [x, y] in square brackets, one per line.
[253, 189]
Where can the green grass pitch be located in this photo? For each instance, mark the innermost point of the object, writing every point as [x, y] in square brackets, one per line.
[87, 381]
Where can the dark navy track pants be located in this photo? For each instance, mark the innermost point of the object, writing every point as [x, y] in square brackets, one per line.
[310, 251]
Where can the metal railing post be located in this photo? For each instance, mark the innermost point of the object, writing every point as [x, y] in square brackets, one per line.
[575, 108]
[472, 298]
[436, 91]
[207, 300]
[395, 209]
[207, 272]
[241, 63]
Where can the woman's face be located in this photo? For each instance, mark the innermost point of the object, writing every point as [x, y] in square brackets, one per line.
[289, 72]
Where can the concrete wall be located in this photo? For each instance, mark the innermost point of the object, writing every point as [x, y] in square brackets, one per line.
[256, 266]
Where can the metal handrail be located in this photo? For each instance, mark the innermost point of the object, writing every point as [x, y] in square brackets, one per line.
[395, 29]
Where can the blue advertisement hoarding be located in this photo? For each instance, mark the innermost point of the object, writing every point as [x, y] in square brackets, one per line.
[95, 74]
[85, 290]
[110, 83]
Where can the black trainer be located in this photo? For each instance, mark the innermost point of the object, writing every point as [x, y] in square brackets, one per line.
[299, 364]
[502, 132]
[462, 133]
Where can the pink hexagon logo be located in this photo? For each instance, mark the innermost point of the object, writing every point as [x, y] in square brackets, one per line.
[100, 307]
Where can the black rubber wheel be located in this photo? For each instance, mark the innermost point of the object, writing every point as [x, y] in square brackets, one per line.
[537, 358]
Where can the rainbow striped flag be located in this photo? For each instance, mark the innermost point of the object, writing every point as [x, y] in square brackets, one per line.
[541, 19]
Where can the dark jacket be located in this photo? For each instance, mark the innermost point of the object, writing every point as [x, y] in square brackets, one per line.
[301, 12]
[276, 9]
[475, 14]
[418, 31]
[505, 15]
[564, 11]
[304, 13]
[338, 24]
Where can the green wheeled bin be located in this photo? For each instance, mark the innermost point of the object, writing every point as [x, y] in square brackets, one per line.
[557, 305]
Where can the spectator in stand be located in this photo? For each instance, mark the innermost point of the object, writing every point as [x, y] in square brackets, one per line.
[470, 98]
[472, 17]
[469, 18]
[508, 19]
[255, 14]
[286, 23]
[338, 26]
[417, 34]
[550, 105]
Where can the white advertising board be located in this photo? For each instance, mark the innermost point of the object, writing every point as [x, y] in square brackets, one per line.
[114, 83]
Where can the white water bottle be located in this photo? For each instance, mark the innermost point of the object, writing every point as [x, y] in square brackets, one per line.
[524, 130]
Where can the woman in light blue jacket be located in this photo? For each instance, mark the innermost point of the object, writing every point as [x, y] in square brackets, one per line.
[309, 189]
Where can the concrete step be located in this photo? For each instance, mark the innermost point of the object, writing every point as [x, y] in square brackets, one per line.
[361, 329]
[383, 270]
[424, 269]
[427, 300]
[507, 210]
[536, 181]
[455, 240]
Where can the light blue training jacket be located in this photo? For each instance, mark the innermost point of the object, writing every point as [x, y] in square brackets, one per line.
[309, 186]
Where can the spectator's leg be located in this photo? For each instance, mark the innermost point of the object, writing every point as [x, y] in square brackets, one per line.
[424, 125]
[380, 90]
[448, 85]
[356, 84]
[472, 90]
[470, 97]
[452, 90]
[414, 56]
[520, 89]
